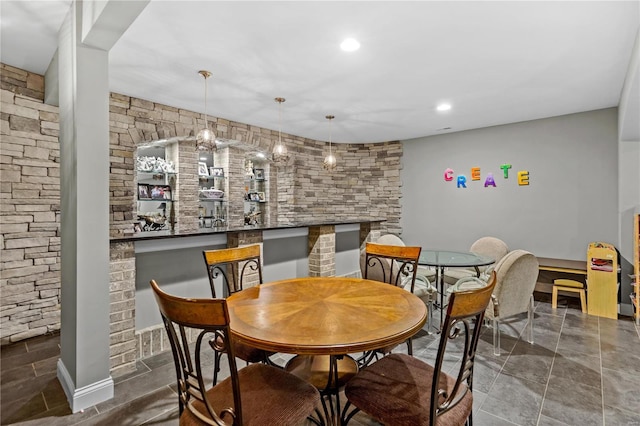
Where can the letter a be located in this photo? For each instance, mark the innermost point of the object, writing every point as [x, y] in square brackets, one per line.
[489, 180]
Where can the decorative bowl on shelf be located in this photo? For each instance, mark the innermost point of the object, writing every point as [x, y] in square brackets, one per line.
[212, 194]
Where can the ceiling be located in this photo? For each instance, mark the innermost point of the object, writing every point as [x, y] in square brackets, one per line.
[494, 62]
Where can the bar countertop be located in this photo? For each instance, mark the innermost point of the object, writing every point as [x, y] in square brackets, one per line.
[165, 234]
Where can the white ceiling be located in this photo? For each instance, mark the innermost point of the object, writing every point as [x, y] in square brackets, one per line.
[495, 62]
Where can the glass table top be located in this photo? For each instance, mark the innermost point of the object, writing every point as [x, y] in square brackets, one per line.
[453, 259]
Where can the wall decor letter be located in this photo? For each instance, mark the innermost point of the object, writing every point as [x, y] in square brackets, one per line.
[448, 175]
[505, 168]
[475, 173]
[462, 181]
[523, 177]
[489, 180]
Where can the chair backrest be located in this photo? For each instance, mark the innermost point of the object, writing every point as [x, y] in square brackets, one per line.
[391, 263]
[516, 276]
[490, 246]
[237, 267]
[465, 313]
[209, 318]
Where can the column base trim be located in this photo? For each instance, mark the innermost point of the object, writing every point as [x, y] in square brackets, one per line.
[86, 396]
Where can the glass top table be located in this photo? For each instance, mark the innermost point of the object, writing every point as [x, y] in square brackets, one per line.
[453, 259]
[442, 259]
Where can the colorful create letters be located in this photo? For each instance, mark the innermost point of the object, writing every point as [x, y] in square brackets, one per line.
[461, 180]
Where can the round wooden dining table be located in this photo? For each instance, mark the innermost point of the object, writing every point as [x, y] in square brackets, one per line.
[324, 315]
[322, 319]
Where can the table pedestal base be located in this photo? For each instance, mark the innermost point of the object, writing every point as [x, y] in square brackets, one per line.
[328, 373]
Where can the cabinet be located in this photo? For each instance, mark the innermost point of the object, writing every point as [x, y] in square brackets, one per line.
[156, 181]
[255, 195]
[213, 199]
[635, 294]
[602, 280]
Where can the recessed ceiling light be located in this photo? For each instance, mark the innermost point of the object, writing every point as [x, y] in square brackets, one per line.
[203, 158]
[350, 45]
[443, 107]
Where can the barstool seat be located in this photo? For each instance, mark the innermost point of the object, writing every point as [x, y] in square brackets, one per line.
[568, 285]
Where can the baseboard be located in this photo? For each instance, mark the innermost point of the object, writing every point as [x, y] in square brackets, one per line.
[86, 396]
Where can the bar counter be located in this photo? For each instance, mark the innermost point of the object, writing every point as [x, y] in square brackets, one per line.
[164, 234]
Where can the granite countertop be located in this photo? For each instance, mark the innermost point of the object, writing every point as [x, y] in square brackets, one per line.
[155, 235]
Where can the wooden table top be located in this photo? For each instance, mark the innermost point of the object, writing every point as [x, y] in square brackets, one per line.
[325, 315]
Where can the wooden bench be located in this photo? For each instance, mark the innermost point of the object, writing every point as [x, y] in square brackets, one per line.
[575, 270]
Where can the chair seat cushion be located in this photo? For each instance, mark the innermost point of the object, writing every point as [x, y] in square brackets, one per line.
[245, 352]
[561, 282]
[270, 396]
[396, 391]
[451, 276]
[249, 353]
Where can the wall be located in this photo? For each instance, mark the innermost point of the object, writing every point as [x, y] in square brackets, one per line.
[571, 199]
[365, 184]
[29, 208]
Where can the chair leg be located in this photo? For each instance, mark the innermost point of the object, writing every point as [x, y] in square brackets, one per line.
[554, 298]
[496, 337]
[430, 317]
[583, 302]
[530, 320]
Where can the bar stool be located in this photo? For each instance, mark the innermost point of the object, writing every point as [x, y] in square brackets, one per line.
[568, 285]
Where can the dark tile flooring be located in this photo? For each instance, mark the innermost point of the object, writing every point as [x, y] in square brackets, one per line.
[581, 370]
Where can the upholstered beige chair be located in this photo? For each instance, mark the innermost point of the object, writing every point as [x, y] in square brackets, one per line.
[485, 246]
[516, 276]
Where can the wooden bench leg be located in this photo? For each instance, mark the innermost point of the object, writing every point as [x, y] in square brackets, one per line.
[554, 298]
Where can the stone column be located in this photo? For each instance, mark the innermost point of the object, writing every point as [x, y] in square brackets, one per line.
[369, 232]
[322, 251]
[246, 238]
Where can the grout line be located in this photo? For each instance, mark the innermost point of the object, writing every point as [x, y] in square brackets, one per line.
[553, 361]
[601, 370]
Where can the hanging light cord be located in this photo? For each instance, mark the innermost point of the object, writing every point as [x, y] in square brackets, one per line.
[206, 119]
[280, 123]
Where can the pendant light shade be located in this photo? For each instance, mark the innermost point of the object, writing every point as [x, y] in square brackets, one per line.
[205, 139]
[330, 161]
[280, 154]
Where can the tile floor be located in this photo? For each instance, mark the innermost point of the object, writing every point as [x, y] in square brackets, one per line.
[582, 370]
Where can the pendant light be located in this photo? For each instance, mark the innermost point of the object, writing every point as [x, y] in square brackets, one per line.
[205, 140]
[280, 154]
[330, 162]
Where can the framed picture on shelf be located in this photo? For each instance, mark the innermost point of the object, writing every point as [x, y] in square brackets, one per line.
[143, 191]
[254, 196]
[160, 192]
[261, 196]
[216, 171]
[202, 169]
[259, 174]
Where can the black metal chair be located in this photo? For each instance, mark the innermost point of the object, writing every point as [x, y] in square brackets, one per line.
[235, 267]
[402, 390]
[393, 264]
[255, 395]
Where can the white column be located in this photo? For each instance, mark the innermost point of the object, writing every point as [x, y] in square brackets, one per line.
[83, 369]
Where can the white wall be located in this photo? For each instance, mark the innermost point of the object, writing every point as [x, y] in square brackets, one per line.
[572, 198]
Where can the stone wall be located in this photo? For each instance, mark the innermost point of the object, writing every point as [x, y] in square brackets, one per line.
[29, 208]
[365, 184]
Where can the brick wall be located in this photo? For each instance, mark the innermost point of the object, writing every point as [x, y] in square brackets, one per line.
[366, 183]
